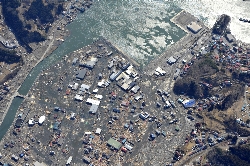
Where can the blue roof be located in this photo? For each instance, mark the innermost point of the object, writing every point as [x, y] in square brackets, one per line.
[152, 135]
[56, 125]
[116, 110]
[190, 103]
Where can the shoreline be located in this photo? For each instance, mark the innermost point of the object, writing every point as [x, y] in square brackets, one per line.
[169, 48]
[184, 43]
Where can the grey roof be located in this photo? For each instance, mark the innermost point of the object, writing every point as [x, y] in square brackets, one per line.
[18, 122]
[90, 64]
[115, 75]
[60, 142]
[93, 108]
[81, 74]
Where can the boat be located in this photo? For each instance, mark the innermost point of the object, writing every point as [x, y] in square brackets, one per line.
[241, 19]
[245, 20]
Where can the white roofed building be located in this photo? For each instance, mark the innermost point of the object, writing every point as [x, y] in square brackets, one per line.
[160, 71]
[41, 119]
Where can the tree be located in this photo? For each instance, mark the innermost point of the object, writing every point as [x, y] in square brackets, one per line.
[59, 9]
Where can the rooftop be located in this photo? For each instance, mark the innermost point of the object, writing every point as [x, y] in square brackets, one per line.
[112, 142]
[194, 27]
[81, 74]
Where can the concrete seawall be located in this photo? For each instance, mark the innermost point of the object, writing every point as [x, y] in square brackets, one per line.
[173, 20]
[181, 20]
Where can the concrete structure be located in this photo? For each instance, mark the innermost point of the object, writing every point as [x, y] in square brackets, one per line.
[89, 64]
[74, 61]
[84, 87]
[75, 86]
[194, 27]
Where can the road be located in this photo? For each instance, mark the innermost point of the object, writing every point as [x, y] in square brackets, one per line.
[187, 159]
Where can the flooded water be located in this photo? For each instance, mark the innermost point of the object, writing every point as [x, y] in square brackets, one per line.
[140, 29]
[9, 118]
[209, 10]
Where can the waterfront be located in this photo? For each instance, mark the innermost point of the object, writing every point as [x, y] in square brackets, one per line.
[141, 38]
[208, 12]
[52, 60]
[10, 116]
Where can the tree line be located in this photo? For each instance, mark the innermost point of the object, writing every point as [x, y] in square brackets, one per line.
[10, 13]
